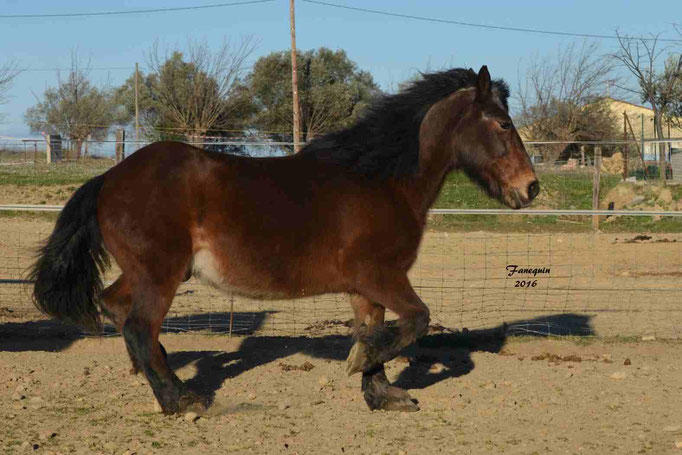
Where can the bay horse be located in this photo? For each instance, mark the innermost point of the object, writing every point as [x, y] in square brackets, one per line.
[344, 215]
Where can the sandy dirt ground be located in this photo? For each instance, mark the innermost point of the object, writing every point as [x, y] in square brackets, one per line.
[515, 396]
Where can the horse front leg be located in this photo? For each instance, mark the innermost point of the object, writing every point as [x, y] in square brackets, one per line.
[376, 343]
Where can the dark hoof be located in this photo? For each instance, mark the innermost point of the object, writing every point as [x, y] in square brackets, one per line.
[190, 401]
[399, 400]
[380, 394]
[392, 399]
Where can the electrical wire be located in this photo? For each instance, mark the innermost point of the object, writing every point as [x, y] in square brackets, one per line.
[110, 68]
[141, 11]
[493, 27]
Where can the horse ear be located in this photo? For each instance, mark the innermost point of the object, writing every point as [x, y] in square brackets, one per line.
[483, 84]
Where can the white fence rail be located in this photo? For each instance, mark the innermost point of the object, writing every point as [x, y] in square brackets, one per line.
[557, 212]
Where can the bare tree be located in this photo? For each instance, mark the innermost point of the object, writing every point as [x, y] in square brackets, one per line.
[561, 97]
[75, 108]
[8, 72]
[641, 56]
[192, 88]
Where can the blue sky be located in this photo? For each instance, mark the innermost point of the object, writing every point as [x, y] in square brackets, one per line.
[391, 48]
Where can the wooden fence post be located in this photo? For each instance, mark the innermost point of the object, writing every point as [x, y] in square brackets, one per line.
[120, 145]
[595, 186]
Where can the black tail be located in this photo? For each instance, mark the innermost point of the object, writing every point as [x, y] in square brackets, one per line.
[68, 271]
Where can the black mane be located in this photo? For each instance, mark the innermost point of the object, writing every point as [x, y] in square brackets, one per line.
[385, 140]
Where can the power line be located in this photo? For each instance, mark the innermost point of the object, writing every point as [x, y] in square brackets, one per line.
[493, 27]
[140, 11]
[103, 68]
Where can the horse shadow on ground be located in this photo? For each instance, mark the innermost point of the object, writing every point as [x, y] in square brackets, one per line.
[451, 350]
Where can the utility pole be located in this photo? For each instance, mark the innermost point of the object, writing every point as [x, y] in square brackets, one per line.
[294, 78]
[626, 148]
[137, 112]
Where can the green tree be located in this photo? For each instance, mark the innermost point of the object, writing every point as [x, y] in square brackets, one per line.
[332, 91]
[189, 93]
[673, 75]
[75, 108]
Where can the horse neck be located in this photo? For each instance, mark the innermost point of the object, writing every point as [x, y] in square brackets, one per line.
[435, 154]
[421, 190]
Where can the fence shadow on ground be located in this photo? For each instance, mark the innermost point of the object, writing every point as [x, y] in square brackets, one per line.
[52, 335]
[452, 350]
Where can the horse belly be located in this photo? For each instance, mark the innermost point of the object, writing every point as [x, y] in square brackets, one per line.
[249, 281]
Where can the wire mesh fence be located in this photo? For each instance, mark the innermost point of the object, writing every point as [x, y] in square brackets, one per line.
[606, 284]
[17, 151]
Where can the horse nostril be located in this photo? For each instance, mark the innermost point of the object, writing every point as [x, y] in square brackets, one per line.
[533, 190]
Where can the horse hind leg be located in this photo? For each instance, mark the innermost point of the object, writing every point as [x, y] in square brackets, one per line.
[377, 390]
[116, 302]
[141, 332]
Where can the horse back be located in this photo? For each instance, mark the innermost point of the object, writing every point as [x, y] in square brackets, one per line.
[267, 227]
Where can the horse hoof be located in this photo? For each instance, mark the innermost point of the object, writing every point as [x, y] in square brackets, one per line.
[357, 359]
[392, 399]
[400, 400]
[192, 402]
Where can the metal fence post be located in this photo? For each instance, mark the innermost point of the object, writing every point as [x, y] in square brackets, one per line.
[595, 186]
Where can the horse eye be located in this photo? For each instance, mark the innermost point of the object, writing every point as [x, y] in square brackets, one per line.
[506, 125]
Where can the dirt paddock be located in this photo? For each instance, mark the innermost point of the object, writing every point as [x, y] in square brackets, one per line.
[520, 395]
[479, 392]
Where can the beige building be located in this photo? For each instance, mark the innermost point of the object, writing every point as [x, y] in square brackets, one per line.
[637, 115]
[643, 116]
[641, 119]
